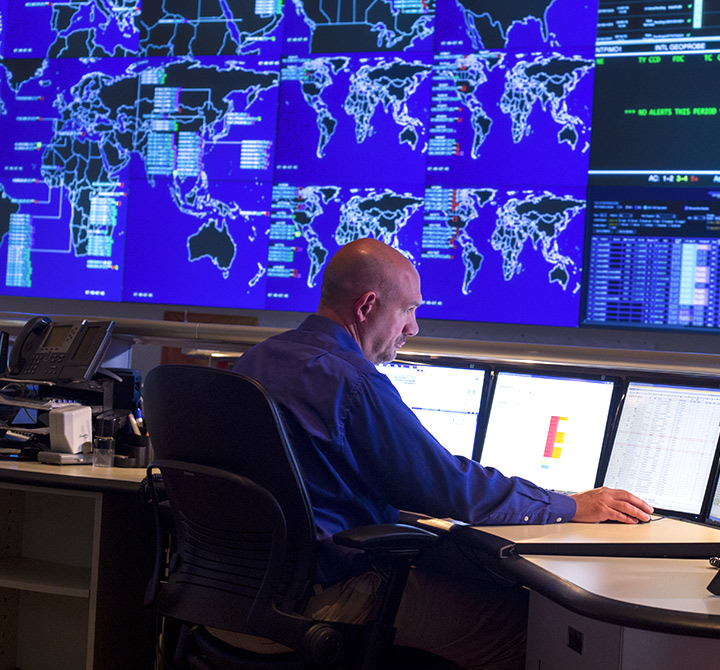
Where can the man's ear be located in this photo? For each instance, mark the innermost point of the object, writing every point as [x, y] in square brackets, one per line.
[364, 304]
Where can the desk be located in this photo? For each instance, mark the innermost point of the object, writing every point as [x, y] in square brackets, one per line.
[604, 612]
[76, 552]
[599, 613]
[72, 476]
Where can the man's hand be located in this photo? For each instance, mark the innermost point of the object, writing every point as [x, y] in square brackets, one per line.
[606, 504]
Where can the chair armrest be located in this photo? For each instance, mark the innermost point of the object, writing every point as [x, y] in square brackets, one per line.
[386, 539]
[392, 549]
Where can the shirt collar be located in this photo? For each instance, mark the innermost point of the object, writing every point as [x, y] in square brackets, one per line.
[333, 330]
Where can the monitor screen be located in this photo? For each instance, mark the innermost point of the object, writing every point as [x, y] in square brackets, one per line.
[549, 429]
[446, 399]
[664, 444]
[183, 154]
[652, 237]
[652, 258]
[178, 153]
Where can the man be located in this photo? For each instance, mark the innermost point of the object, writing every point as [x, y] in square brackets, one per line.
[364, 456]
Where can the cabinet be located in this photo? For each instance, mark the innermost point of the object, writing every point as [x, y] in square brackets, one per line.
[560, 639]
[73, 567]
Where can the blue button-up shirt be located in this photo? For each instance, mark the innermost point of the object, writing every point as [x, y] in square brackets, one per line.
[363, 453]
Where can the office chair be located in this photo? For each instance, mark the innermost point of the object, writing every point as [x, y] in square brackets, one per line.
[242, 549]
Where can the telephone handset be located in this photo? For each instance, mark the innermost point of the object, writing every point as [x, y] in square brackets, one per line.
[67, 350]
[26, 343]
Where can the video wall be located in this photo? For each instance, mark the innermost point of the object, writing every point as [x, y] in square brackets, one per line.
[553, 162]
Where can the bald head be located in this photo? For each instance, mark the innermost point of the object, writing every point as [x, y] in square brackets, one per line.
[360, 266]
[372, 290]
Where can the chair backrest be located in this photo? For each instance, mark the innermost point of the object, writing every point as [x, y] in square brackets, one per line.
[229, 551]
[223, 420]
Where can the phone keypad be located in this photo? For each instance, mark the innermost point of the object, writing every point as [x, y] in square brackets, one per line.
[49, 363]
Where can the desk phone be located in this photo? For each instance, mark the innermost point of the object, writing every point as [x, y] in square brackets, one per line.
[52, 351]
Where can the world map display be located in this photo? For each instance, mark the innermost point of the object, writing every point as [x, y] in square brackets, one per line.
[217, 153]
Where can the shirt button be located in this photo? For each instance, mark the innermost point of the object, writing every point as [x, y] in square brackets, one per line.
[558, 520]
[527, 518]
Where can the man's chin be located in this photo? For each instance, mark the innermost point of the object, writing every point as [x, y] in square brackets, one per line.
[386, 357]
[392, 353]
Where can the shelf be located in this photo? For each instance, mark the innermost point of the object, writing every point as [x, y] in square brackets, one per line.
[44, 577]
[72, 571]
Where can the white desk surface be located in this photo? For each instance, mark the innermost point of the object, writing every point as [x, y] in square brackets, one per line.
[675, 584]
[75, 476]
[662, 594]
[662, 529]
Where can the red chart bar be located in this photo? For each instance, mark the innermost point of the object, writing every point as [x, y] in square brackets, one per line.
[552, 436]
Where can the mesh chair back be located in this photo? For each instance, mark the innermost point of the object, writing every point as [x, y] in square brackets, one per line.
[230, 549]
[224, 420]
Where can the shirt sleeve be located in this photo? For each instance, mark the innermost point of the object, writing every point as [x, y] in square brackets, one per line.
[407, 467]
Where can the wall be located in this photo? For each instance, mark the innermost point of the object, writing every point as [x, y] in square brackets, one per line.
[147, 356]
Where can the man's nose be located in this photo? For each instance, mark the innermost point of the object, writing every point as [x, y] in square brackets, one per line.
[411, 327]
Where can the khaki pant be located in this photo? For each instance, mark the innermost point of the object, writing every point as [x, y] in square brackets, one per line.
[476, 623]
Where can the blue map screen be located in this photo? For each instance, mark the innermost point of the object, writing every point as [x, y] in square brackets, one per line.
[218, 153]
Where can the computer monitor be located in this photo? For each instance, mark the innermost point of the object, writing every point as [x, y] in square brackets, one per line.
[446, 397]
[713, 513]
[548, 428]
[664, 444]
